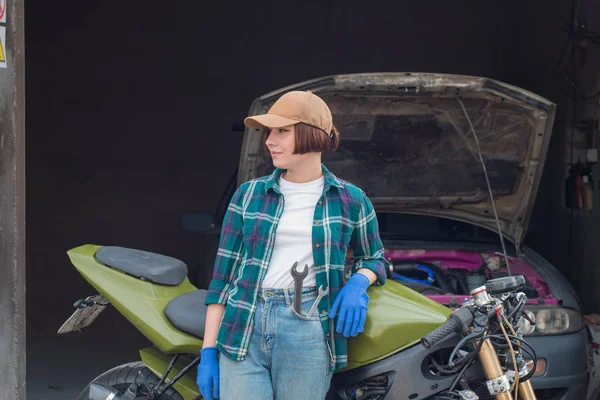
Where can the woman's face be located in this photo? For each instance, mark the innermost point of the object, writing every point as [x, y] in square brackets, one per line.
[281, 143]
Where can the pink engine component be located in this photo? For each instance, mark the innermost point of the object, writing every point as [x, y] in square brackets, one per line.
[470, 261]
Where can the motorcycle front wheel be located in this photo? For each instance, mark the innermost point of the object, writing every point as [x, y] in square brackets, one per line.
[123, 376]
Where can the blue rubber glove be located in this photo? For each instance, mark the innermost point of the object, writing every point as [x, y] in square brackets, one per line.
[352, 302]
[208, 373]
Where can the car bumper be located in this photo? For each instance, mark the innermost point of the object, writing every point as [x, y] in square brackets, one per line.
[566, 376]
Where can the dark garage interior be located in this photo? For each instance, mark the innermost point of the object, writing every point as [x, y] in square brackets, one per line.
[133, 115]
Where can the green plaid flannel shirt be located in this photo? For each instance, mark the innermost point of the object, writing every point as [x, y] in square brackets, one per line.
[344, 217]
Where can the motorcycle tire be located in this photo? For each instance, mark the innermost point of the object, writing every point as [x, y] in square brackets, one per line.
[124, 375]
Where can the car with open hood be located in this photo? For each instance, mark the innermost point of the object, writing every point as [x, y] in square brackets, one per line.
[415, 142]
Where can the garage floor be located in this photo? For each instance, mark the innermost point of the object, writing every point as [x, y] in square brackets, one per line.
[60, 366]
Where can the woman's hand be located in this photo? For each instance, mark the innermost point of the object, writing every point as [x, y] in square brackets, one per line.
[208, 373]
[352, 303]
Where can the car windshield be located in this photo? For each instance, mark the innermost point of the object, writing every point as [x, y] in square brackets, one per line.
[422, 227]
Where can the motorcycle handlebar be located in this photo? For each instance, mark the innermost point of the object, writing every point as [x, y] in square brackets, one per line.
[458, 322]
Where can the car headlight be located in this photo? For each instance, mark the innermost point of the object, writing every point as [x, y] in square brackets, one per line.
[552, 320]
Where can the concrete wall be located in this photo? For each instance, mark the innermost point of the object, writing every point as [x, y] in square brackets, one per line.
[12, 207]
[130, 108]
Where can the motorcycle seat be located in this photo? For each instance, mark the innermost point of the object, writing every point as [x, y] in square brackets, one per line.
[188, 312]
[152, 267]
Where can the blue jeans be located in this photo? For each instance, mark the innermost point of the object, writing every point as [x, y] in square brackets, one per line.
[288, 357]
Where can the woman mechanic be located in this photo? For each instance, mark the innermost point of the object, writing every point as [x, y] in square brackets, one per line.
[301, 217]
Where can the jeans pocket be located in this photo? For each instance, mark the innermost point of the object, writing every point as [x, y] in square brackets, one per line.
[306, 306]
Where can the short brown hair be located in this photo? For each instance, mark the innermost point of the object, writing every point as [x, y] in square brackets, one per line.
[309, 139]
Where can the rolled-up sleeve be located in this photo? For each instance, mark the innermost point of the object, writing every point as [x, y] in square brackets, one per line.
[229, 253]
[366, 243]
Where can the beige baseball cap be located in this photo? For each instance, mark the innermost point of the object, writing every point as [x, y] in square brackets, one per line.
[293, 108]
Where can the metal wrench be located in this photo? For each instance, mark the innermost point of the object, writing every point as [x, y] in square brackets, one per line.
[322, 293]
[298, 279]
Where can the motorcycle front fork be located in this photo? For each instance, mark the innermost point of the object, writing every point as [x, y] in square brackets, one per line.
[493, 372]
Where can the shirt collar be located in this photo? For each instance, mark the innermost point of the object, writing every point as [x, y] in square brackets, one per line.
[330, 179]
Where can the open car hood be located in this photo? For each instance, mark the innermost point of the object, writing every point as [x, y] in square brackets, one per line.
[406, 141]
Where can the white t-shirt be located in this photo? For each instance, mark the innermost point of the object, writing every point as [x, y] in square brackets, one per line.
[293, 238]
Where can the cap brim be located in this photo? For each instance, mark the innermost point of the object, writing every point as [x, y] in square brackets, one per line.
[269, 121]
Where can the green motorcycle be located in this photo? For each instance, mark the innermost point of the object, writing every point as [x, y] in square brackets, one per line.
[411, 347]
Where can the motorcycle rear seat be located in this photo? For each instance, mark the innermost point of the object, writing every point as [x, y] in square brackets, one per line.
[188, 312]
[153, 267]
